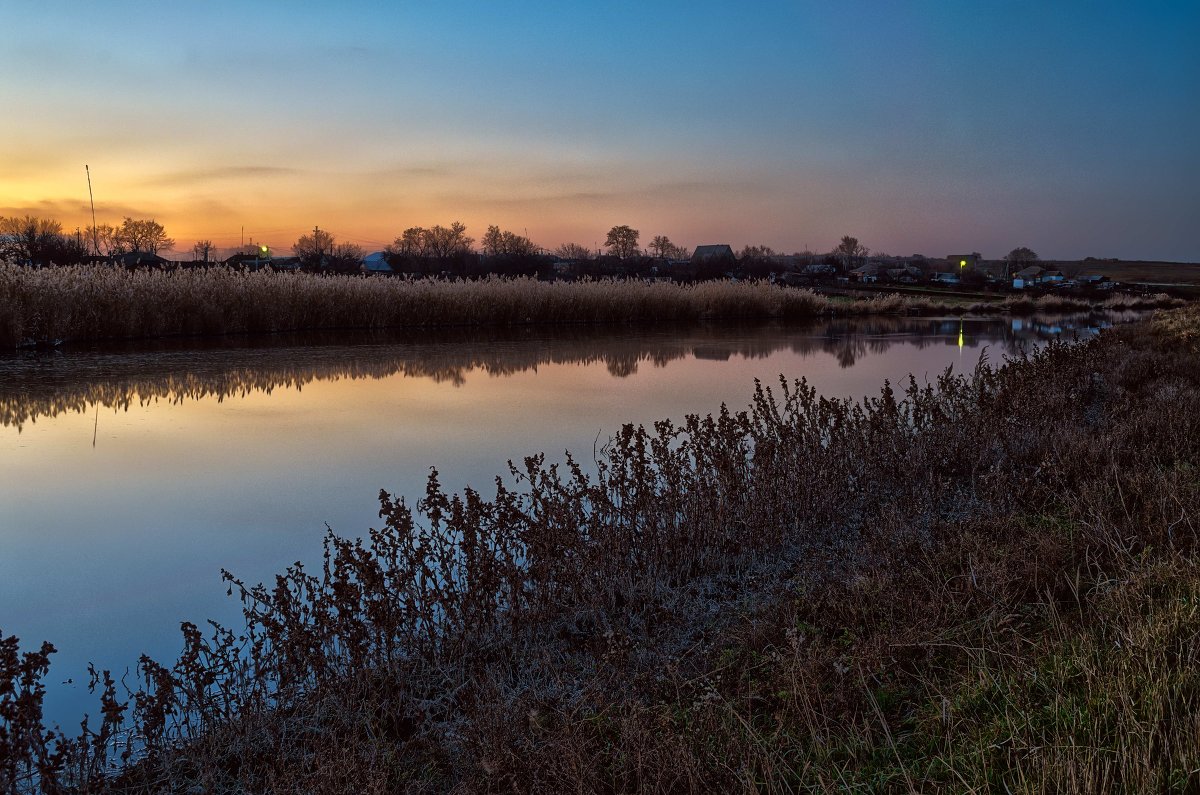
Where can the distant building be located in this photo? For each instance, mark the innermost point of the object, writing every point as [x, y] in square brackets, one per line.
[376, 263]
[140, 259]
[867, 273]
[708, 253]
[1027, 277]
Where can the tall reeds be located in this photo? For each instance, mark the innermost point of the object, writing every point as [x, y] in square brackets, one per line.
[95, 302]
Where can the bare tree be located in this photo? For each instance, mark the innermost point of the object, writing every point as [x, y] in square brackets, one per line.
[444, 242]
[30, 240]
[203, 251]
[347, 258]
[679, 252]
[497, 243]
[850, 251]
[106, 240]
[143, 235]
[410, 244]
[622, 241]
[1018, 259]
[313, 250]
[756, 252]
[662, 246]
[573, 251]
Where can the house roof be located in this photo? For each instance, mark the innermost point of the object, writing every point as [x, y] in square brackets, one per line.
[376, 262]
[140, 258]
[709, 252]
[1029, 273]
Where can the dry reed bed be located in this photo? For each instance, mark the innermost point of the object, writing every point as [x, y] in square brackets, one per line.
[987, 584]
[96, 302]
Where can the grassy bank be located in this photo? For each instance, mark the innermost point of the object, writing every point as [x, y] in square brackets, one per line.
[95, 303]
[986, 584]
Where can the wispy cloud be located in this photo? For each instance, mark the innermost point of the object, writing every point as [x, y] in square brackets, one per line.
[218, 174]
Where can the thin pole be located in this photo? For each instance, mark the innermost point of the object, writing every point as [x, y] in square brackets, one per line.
[95, 232]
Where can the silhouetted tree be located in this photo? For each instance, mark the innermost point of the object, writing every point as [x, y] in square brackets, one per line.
[497, 243]
[410, 244]
[29, 240]
[203, 251]
[143, 235]
[756, 260]
[1017, 259]
[662, 246]
[346, 258]
[573, 251]
[622, 241]
[444, 242]
[850, 251]
[104, 237]
[314, 250]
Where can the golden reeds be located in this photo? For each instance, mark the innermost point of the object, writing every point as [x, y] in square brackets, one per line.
[98, 302]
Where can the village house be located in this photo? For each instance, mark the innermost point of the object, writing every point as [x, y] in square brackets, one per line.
[722, 251]
[376, 264]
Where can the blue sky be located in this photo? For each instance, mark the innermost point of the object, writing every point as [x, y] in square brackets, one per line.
[917, 127]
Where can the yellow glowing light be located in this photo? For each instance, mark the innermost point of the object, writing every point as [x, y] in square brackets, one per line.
[962, 263]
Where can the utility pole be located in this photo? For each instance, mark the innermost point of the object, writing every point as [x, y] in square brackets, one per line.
[95, 232]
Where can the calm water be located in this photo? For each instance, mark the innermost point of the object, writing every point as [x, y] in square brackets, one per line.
[128, 479]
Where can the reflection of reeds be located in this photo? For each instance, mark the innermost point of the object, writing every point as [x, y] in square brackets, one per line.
[33, 387]
[932, 590]
[90, 303]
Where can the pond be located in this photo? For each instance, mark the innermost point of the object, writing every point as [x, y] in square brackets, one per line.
[130, 477]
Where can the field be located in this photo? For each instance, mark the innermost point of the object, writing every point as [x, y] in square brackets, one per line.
[989, 584]
[1128, 271]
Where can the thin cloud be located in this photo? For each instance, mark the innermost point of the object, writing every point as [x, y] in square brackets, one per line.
[221, 174]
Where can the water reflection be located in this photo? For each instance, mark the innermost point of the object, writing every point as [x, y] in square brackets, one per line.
[35, 386]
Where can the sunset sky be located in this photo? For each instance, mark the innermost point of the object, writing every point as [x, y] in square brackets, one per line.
[930, 127]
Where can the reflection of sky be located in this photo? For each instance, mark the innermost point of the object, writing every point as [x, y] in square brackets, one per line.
[931, 127]
[106, 548]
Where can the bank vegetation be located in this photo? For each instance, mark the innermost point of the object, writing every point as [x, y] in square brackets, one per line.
[46, 306]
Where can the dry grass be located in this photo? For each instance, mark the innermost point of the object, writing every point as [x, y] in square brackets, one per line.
[989, 585]
[96, 302]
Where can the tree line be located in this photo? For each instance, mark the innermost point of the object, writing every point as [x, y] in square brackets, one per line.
[41, 241]
[423, 250]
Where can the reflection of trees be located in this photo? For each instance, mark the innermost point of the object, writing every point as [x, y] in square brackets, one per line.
[33, 387]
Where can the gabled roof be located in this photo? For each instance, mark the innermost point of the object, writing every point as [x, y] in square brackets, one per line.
[712, 252]
[1029, 273]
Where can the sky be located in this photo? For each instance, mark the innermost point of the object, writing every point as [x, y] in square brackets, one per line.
[918, 127]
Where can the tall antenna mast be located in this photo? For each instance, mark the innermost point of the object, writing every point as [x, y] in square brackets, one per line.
[95, 231]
